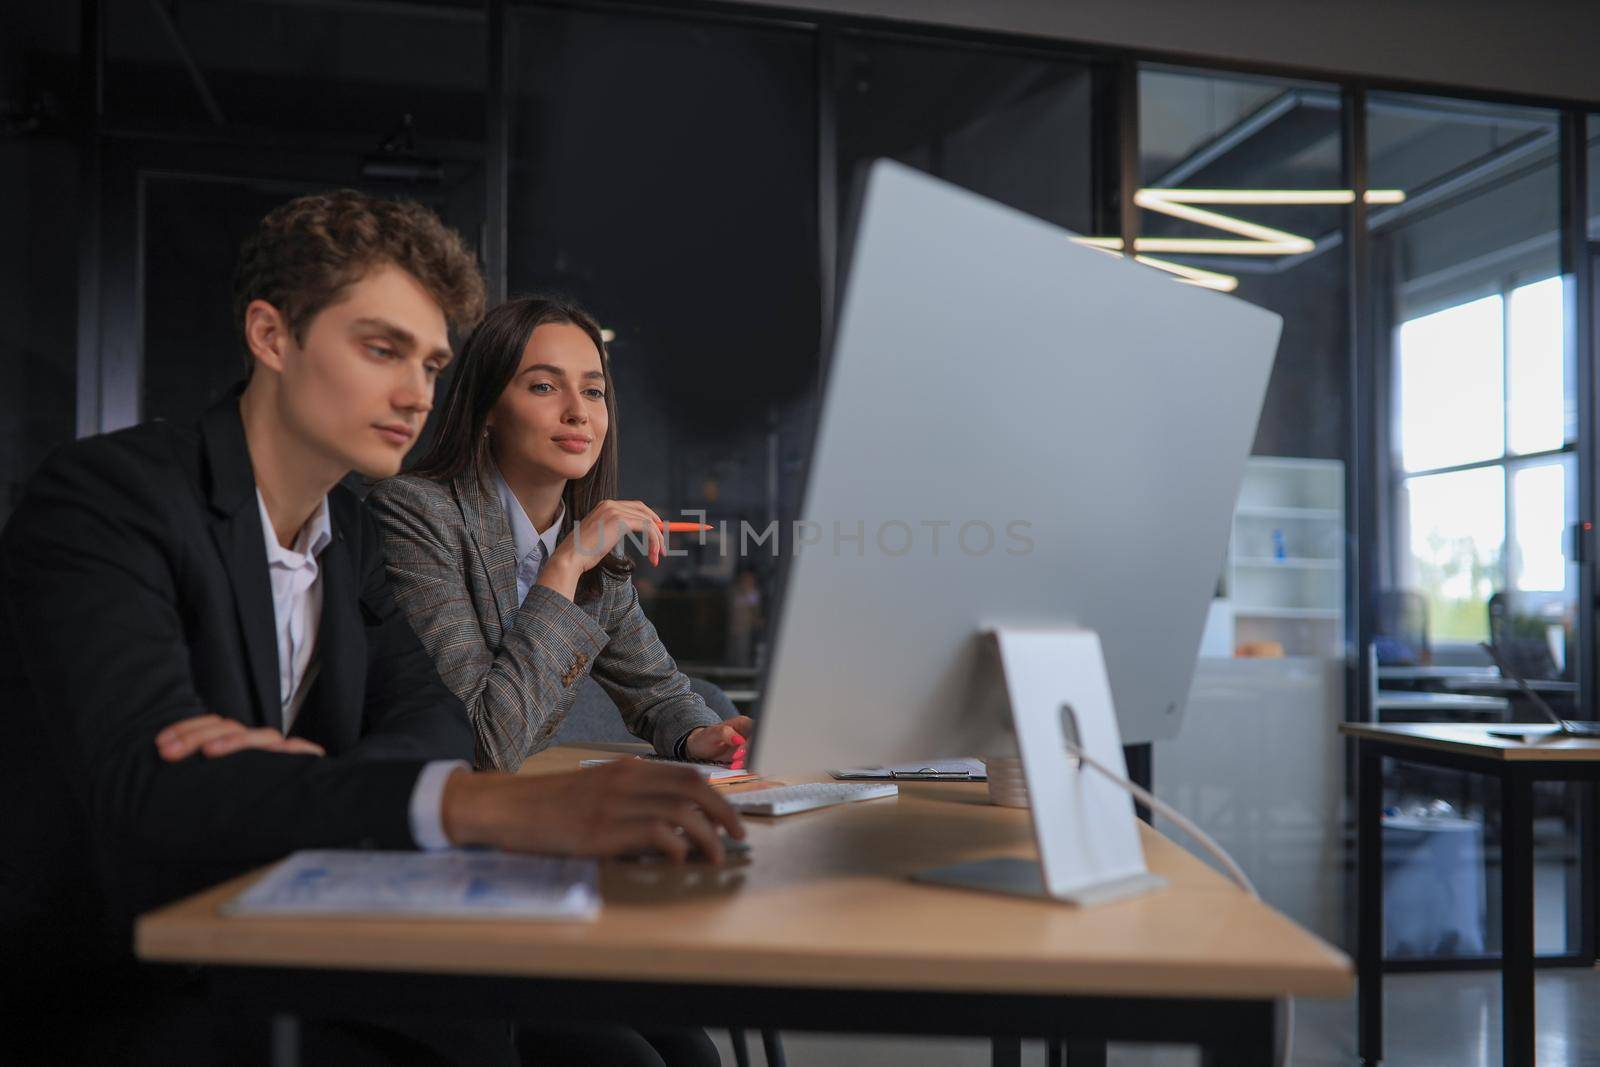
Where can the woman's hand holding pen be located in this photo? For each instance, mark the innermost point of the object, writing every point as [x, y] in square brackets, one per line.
[593, 538]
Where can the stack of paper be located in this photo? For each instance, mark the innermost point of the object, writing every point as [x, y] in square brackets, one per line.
[715, 773]
[957, 770]
[460, 884]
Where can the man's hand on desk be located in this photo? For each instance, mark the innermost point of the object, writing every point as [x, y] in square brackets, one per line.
[621, 807]
[726, 742]
[214, 735]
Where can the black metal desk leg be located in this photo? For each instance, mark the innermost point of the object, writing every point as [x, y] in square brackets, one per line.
[1005, 1051]
[1086, 1054]
[1255, 1045]
[1369, 903]
[1516, 918]
[284, 1040]
[1080, 1053]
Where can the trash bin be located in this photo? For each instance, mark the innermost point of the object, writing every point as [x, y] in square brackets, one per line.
[1432, 886]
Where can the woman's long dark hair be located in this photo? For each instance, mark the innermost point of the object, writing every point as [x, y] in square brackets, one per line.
[487, 363]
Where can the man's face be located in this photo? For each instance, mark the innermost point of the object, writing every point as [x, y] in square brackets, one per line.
[359, 387]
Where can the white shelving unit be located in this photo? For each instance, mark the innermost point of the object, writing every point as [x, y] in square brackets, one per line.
[1285, 578]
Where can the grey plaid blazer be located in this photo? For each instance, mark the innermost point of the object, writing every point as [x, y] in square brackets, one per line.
[452, 564]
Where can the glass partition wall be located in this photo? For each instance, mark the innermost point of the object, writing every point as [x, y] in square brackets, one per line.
[1479, 478]
[663, 172]
[1020, 131]
[1240, 189]
[689, 180]
[1483, 416]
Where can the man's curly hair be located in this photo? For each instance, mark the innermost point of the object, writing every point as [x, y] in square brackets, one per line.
[307, 252]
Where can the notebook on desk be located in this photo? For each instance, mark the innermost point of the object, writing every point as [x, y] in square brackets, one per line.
[454, 884]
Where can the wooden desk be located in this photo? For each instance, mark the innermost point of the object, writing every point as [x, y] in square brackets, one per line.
[1517, 764]
[819, 930]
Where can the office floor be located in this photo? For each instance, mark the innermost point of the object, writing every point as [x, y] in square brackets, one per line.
[1434, 1020]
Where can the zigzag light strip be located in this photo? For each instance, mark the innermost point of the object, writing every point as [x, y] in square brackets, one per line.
[1251, 239]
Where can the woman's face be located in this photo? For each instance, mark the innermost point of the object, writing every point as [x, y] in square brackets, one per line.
[551, 420]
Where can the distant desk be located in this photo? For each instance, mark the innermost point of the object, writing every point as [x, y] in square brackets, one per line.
[821, 930]
[1517, 765]
[1497, 684]
[1415, 703]
[1472, 679]
[1431, 673]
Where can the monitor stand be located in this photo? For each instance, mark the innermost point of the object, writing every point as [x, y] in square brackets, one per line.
[1083, 823]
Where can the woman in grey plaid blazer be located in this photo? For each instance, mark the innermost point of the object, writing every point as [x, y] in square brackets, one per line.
[500, 546]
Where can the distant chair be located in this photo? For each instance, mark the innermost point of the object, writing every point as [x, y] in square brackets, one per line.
[1527, 654]
[1402, 639]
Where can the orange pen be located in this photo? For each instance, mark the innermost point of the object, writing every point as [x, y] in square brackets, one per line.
[683, 527]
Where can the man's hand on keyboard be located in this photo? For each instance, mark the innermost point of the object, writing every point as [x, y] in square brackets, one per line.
[622, 807]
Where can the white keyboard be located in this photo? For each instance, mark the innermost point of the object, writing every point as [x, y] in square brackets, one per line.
[788, 799]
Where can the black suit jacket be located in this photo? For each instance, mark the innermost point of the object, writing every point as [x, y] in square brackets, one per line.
[135, 593]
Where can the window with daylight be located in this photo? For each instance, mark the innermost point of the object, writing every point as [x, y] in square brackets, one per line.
[1485, 454]
[1482, 420]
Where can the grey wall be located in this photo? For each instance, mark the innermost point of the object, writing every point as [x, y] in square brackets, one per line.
[1540, 47]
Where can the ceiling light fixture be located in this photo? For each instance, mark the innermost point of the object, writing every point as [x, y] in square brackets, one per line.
[1205, 279]
[1250, 238]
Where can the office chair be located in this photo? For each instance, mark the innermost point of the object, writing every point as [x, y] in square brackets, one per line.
[1527, 654]
[1402, 639]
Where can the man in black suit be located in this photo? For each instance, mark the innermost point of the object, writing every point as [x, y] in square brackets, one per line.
[202, 665]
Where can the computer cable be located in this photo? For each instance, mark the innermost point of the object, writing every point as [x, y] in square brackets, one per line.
[1217, 852]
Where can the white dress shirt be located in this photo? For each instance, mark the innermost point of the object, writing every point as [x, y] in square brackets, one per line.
[296, 575]
[296, 604]
[533, 546]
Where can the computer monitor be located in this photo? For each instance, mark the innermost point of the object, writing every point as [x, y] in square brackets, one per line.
[1019, 431]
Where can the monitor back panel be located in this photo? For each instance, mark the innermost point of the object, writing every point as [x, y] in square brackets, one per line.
[1016, 431]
